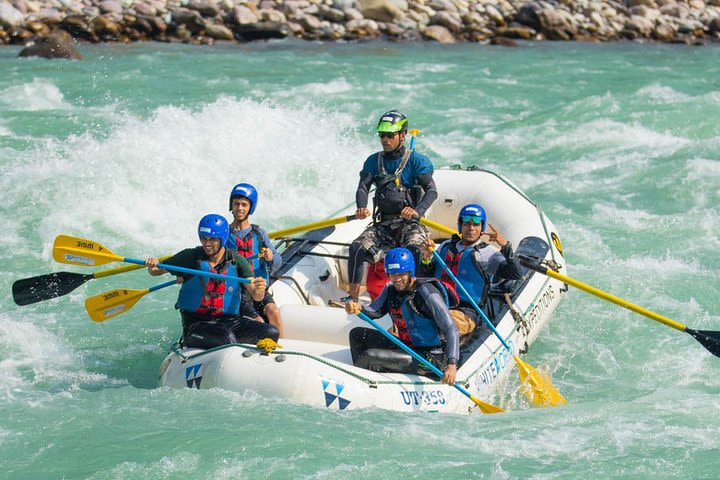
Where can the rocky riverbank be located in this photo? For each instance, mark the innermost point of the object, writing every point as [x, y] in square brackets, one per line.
[445, 21]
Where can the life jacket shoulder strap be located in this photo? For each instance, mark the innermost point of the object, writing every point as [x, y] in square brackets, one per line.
[399, 169]
[259, 236]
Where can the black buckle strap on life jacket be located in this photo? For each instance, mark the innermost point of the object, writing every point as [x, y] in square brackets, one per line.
[384, 179]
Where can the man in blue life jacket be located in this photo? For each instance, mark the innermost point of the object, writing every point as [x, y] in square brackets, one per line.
[404, 190]
[250, 240]
[210, 308]
[475, 263]
[419, 311]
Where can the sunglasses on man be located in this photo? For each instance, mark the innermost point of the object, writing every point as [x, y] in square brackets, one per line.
[472, 218]
[387, 134]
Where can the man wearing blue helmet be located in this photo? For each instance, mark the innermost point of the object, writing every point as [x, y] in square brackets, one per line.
[475, 263]
[421, 319]
[404, 190]
[211, 309]
[250, 240]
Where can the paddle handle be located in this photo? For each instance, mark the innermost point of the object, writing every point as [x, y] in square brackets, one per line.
[472, 301]
[411, 352]
[532, 264]
[191, 271]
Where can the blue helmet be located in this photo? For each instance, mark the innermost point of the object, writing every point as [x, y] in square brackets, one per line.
[244, 190]
[214, 226]
[399, 260]
[472, 212]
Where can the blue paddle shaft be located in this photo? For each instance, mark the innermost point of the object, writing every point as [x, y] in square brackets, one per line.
[410, 351]
[475, 305]
[200, 273]
[162, 285]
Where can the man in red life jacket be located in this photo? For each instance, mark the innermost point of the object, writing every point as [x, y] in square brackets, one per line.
[476, 264]
[419, 311]
[211, 308]
[250, 240]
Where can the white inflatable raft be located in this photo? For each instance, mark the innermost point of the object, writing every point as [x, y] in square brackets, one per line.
[314, 366]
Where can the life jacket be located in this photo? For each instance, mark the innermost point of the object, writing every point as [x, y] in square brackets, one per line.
[211, 296]
[411, 317]
[467, 270]
[391, 196]
[249, 246]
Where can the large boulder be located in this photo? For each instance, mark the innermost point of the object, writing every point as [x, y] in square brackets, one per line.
[10, 17]
[639, 25]
[439, 34]
[207, 8]
[218, 32]
[242, 15]
[557, 24]
[381, 10]
[528, 15]
[59, 44]
[261, 31]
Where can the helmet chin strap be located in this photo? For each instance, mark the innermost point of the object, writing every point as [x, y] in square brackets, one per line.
[398, 152]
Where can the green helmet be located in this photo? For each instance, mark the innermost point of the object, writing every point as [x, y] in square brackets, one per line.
[392, 121]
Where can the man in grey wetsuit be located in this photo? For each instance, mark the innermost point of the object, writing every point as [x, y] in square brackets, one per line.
[421, 319]
[400, 176]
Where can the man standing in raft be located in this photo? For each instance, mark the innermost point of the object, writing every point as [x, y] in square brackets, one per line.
[250, 240]
[405, 189]
[211, 308]
[421, 319]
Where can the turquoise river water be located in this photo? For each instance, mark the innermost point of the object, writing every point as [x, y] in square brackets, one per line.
[618, 143]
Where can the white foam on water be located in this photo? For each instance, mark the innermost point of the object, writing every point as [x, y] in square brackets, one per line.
[333, 87]
[164, 467]
[40, 94]
[632, 219]
[37, 364]
[4, 130]
[662, 94]
[150, 180]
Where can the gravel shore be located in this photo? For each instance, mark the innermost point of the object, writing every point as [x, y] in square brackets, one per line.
[446, 21]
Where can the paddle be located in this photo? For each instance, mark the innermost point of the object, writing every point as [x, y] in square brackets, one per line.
[483, 406]
[312, 226]
[539, 388]
[27, 291]
[84, 252]
[44, 287]
[708, 338]
[438, 226]
[114, 302]
[413, 132]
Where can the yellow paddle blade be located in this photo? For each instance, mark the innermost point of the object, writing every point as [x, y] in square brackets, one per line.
[486, 407]
[538, 387]
[414, 131]
[112, 303]
[83, 252]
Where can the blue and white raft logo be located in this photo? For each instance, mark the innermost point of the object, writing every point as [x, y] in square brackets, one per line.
[193, 375]
[332, 390]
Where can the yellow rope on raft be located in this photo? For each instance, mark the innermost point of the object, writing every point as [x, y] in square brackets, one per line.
[268, 344]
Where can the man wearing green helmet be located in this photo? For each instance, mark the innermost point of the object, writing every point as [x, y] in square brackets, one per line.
[404, 190]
